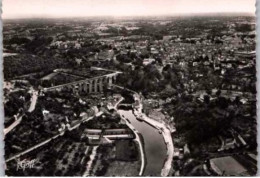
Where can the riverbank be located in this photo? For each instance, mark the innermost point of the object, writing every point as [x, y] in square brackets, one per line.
[163, 129]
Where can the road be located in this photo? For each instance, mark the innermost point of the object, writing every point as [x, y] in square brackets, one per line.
[31, 109]
[132, 91]
[90, 162]
[14, 124]
[32, 148]
[33, 100]
[50, 139]
[99, 68]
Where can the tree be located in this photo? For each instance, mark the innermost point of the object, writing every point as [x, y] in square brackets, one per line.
[64, 161]
[199, 122]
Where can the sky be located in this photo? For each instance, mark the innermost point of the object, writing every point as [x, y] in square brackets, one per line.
[85, 8]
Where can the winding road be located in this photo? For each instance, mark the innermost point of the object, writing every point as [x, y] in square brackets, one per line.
[31, 109]
[33, 100]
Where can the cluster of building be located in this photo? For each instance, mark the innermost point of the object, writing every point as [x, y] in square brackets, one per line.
[201, 62]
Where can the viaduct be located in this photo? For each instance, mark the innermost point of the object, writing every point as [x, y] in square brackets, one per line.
[89, 85]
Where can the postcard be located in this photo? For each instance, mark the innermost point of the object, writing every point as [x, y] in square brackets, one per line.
[129, 88]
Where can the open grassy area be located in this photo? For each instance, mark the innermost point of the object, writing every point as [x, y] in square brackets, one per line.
[126, 150]
[120, 159]
[121, 168]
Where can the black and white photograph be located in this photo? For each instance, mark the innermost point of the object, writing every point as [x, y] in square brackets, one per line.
[129, 88]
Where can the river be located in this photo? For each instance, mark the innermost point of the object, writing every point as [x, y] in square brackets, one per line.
[155, 149]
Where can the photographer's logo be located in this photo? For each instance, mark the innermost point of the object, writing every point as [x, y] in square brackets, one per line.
[28, 164]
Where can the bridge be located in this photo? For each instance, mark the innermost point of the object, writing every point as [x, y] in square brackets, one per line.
[89, 85]
[111, 134]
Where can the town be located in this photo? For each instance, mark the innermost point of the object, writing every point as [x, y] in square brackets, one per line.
[140, 96]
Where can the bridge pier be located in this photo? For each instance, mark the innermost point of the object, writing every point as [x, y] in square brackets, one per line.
[70, 88]
[95, 86]
[90, 86]
[85, 87]
[110, 81]
[101, 85]
[115, 77]
[80, 88]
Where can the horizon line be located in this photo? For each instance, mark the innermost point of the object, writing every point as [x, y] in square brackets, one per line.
[125, 16]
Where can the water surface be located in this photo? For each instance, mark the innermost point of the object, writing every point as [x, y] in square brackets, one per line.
[155, 148]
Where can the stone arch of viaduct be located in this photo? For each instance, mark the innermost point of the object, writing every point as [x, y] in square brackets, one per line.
[92, 85]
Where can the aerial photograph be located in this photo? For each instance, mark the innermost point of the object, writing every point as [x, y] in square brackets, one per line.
[129, 88]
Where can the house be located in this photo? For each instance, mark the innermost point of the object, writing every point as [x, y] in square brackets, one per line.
[245, 54]
[148, 61]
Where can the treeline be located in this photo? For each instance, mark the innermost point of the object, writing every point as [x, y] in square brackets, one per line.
[198, 122]
[141, 78]
[26, 64]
